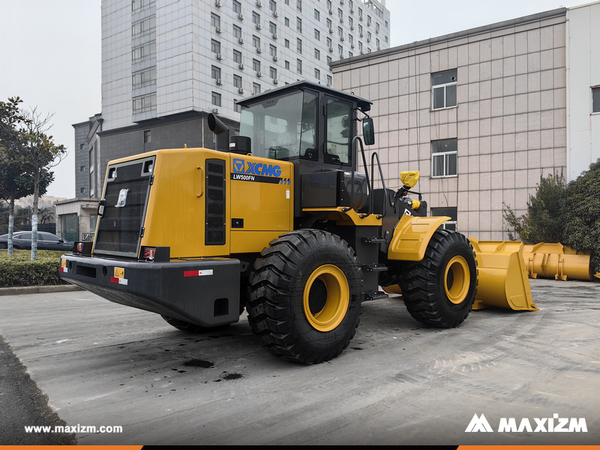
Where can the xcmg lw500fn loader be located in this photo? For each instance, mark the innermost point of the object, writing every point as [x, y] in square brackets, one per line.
[278, 220]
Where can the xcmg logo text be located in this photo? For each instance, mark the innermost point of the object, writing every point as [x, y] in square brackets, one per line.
[255, 168]
[554, 424]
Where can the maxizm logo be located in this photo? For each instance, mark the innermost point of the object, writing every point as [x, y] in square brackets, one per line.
[256, 168]
[553, 424]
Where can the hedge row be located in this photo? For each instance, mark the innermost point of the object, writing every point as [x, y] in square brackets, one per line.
[18, 269]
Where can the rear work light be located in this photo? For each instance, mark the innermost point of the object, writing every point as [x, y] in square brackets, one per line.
[156, 254]
[82, 248]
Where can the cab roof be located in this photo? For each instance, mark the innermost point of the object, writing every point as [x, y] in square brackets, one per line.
[362, 103]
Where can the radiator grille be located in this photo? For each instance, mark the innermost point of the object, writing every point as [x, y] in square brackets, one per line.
[125, 198]
[215, 202]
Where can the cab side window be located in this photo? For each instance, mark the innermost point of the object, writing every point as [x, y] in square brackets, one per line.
[339, 132]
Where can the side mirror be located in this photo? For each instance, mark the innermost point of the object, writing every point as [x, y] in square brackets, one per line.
[368, 131]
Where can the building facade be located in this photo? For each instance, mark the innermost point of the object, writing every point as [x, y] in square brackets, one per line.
[167, 64]
[484, 113]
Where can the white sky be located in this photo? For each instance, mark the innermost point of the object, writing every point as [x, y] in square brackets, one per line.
[50, 53]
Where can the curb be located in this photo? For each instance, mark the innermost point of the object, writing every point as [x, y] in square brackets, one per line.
[38, 289]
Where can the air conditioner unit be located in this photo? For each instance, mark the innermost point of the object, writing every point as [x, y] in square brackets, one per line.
[258, 50]
[360, 18]
[361, 35]
[219, 82]
[351, 45]
[241, 90]
[241, 41]
[259, 74]
[218, 30]
[241, 16]
[219, 56]
[275, 36]
[331, 49]
[331, 12]
[341, 38]
[352, 11]
[352, 28]
[258, 4]
[218, 3]
[258, 26]
[215, 111]
[275, 81]
[242, 66]
[275, 14]
[368, 40]
[331, 30]
[274, 58]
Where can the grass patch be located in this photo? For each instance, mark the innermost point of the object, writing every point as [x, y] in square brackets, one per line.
[18, 269]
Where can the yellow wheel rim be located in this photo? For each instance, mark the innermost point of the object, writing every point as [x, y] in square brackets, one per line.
[326, 312]
[457, 279]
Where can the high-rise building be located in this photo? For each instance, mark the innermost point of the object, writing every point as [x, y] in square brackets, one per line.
[167, 64]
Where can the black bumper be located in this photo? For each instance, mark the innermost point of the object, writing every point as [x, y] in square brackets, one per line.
[205, 292]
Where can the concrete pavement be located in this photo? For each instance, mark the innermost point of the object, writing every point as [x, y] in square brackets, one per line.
[103, 364]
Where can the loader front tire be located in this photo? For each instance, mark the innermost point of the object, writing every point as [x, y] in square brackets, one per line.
[305, 296]
[439, 290]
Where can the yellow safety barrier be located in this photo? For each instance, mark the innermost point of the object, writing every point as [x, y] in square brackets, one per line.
[502, 280]
[556, 261]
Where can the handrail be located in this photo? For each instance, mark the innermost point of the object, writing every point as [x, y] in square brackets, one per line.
[373, 156]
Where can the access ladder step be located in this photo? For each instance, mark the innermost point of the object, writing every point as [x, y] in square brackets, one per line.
[373, 240]
[374, 267]
[374, 295]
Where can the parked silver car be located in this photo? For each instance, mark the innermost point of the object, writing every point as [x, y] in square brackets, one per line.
[46, 241]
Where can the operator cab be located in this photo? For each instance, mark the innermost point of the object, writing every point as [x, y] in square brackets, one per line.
[312, 126]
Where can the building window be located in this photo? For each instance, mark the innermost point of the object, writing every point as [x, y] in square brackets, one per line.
[273, 6]
[215, 21]
[317, 15]
[215, 46]
[317, 35]
[272, 28]
[237, 57]
[216, 99]
[273, 72]
[255, 88]
[443, 89]
[287, 65]
[237, 7]
[237, 81]
[144, 103]
[299, 66]
[237, 32]
[144, 52]
[287, 43]
[317, 54]
[273, 52]
[317, 74]
[450, 212]
[596, 99]
[256, 65]
[144, 78]
[256, 19]
[443, 158]
[341, 15]
[256, 42]
[299, 45]
[141, 5]
[215, 73]
[143, 27]
[147, 136]
[287, 22]
[329, 80]
[298, 24]
[299, 5]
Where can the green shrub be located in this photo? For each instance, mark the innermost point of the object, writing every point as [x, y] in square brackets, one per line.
[18, 269]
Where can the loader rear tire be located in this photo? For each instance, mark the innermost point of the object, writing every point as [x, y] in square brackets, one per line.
[305, 296]
[439, 290]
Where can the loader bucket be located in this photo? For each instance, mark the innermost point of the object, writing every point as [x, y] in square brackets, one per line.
[502, 279]
[556, 261]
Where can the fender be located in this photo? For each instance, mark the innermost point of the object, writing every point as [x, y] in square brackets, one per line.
[411, 237]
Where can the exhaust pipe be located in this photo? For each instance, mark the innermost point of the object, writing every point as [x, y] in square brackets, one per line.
[220, 130]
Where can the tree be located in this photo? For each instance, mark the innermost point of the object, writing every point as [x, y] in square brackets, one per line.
[11, 139]
[545, 217]
[582, 219]
[37, 156]
[27, 153]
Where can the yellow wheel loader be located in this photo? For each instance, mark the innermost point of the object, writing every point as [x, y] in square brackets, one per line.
[278, 220]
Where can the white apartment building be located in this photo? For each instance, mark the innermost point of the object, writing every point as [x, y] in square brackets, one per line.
[166, 64]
